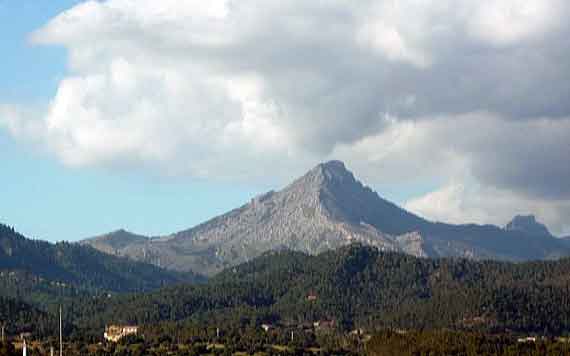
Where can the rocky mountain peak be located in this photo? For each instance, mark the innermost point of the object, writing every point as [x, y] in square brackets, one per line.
[326, 174]
[528, 225]
[333, 169]
[332, 188]
[325, 209]
[342, 197]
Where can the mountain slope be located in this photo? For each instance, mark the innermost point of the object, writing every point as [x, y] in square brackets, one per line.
[80, 266]
[325, 209]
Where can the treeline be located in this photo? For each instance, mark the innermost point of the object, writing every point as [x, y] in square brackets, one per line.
[389, 343]
[176, 339]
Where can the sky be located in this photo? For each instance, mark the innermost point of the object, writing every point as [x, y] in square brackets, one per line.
[154, 116]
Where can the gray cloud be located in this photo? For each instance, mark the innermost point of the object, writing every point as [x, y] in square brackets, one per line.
[487, 168]
[530, 158]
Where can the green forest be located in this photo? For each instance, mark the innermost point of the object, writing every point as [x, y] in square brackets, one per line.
[357, 287]
[360, 287]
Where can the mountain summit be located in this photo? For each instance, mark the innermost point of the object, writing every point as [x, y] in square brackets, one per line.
[528, 225]
[114, 241]
[345, 198]
[330, 171]
[322, 210]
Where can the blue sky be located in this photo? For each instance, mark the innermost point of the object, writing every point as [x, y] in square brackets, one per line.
[154, 116]
[28, 72]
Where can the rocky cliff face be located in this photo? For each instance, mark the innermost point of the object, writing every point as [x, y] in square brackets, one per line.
[325, 209]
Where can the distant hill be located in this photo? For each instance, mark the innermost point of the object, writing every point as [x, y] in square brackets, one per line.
[32, 265]
[359, 286]
[114, 242]
[325, 209]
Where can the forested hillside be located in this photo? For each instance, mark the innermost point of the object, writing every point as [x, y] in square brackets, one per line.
[39, 266]
[359, 286]
[17, 316]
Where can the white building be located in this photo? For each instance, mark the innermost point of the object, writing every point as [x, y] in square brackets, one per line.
[114, 333]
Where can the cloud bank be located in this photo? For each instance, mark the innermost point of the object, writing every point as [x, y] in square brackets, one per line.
[471, 93]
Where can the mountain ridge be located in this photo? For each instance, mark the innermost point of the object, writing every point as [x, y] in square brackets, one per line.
[325, 209]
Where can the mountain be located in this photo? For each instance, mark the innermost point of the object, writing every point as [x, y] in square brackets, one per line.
[359, 286]
[325, 209]
[527, 224]
[114, 242]
[33, 266]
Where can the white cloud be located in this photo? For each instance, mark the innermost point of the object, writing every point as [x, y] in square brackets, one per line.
[185, 84]
[134, 113]
[509, 21]
[402, 90]
[454, 203]
[388, 40]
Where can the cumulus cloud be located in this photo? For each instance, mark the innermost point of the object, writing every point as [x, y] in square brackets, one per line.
[411, 88]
